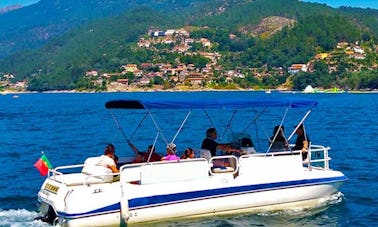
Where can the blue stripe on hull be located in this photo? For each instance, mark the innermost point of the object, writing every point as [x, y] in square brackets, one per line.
[104, 210]
[157, 200]
[221, 192]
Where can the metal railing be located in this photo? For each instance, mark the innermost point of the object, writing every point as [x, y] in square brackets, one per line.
[54, 172]
[318, 155]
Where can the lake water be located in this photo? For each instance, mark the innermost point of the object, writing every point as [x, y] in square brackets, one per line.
[70, 127]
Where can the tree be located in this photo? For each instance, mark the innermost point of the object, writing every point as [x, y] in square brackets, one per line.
[157, 80]
[198, 60]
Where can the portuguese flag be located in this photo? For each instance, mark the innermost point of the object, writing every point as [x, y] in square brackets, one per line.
[43, 165]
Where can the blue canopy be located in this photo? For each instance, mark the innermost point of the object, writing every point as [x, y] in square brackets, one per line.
[219, 103]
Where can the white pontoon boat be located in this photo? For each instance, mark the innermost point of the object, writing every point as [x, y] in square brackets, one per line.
[155, 191]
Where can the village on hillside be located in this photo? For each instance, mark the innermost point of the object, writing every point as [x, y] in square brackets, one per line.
[161, 75]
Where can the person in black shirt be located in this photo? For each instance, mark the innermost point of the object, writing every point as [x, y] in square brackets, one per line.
[302, 142]
[210, 144]
[278, 141]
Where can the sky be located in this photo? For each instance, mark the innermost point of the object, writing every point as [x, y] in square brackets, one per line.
[373, 4]
[333, 3]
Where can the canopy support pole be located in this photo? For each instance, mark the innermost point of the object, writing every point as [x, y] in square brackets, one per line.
[208, 117]
[278, 131]
[228, 126]
[153, 146]
[122, 132]
[254, 120]
[301, 122]
[140, 123]
[157, 127]
[182, 125]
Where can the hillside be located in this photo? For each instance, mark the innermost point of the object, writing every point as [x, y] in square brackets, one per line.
[35, 25]
[254, 38]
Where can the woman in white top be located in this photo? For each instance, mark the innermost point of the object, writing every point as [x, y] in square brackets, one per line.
[107, 159]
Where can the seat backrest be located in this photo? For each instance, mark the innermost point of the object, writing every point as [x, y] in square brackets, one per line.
[91, 168]
[278, 146]
[174, 171]
[204, 153]
[92, 161]
[239, 139]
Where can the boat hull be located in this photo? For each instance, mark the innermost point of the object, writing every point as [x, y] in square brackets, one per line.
[269, 200]
[154, 208]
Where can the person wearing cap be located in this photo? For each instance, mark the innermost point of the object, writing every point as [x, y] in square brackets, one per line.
[210, 144]
[171, 153]
[302, 141]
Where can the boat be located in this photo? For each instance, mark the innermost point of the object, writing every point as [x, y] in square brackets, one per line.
[253, 181]
[309, 89]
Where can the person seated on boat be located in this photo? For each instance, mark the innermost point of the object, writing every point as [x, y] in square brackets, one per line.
[188, 153]
[155, 157]
[171, 153]
[138, 158]
[107, 159]
[210, 144]
[278, 141]
[302, 142]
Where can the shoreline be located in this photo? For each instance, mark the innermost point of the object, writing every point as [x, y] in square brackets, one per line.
[267, 91]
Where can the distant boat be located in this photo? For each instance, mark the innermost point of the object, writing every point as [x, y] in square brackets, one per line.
[268, 91]
[15, 96]
[309, 89]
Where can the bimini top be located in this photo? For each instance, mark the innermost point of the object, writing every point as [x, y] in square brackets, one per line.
[219, 103]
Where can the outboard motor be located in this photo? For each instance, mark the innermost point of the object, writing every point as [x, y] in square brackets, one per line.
[50, 217]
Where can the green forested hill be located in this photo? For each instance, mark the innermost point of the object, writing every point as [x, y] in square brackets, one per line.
[105, 44]
[317, 27]
[34, 25]
[102, 45]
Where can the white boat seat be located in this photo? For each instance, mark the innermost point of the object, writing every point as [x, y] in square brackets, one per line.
[226, 169]
[204, 153]
[172, 171]
[278, 146]
[91, 168]
[239, 139]
[92, 161]
[247, 150]
[75, 179]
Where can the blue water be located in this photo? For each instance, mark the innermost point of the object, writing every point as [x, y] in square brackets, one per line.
[71, 127]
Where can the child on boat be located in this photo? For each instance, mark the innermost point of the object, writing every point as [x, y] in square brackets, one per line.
[171, 153]
[188, 153]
